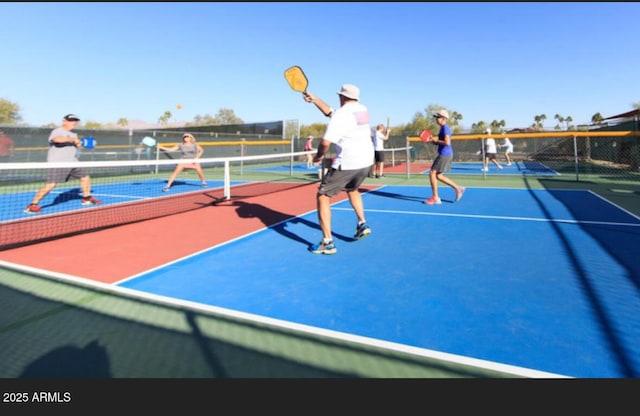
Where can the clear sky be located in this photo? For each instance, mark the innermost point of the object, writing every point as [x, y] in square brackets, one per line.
[487, 61]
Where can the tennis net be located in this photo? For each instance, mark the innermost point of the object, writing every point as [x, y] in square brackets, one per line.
[132, 191]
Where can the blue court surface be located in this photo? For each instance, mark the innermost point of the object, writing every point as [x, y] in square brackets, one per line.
[519, 168]
[63, 199]
[547, 280]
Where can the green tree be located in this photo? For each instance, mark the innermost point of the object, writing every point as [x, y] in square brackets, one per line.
[539, 121]
[227, 116]
[478, 127]
[568, 121]
[597, 119]
[497, 126]
[92, 125]
[223, 117]
[164, 118]
[9, 112]
[424, 120]
[316, 130]
[123, 122]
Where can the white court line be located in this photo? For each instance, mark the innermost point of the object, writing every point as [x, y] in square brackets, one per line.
[499, 217]
[423, 352]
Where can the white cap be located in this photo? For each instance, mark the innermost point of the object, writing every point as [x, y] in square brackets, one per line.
[444, 113]
[350, 91]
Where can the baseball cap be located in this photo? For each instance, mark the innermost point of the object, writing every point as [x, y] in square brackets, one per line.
[487, 131]
[71, 117]
[350, 91]
[443, 113]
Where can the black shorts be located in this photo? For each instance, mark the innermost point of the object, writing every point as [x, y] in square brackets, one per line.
[60, 175]
[336, 180]
[378, 156]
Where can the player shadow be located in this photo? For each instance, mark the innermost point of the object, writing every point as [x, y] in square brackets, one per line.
[278, 221]
[405, 197]
[70, 361]
[181, 183]
[395, 195]
[66, 196]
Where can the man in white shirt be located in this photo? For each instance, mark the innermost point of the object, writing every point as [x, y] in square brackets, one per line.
[380, 135]
[350, 132]
[490, 152]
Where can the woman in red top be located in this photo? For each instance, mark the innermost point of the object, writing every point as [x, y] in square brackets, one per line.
[308, 147]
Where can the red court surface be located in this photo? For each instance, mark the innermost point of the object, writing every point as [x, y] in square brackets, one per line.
[120, 252]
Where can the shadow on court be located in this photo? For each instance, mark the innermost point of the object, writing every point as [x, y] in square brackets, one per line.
[394, 195]
[66, 196]
[76, 336]
[278, 221]
[608, 237]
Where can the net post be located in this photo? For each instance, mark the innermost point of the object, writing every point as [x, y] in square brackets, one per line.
[242, 154]
[227, 181]
[408, 158]
[291, 159]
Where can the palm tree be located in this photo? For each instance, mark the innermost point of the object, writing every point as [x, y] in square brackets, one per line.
[497, 126]
[568, 120]
[539, 119]
[479, 127]
[560, 121]
[597, 119]
[164, 118]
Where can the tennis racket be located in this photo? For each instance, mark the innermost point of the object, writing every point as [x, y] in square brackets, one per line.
[149, 141]
[426, 136]
[296, 79]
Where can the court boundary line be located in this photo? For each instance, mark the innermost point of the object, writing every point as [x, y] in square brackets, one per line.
[614, 204]
[197, 253]
[233, 240]
[589, 191]
[278, 323]
[499, 217]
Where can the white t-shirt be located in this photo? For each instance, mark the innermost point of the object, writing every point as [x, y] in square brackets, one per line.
[490, 145]
[378, 142]
[507, 144]
[349, 130]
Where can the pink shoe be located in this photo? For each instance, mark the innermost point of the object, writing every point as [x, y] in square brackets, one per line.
[433, 201]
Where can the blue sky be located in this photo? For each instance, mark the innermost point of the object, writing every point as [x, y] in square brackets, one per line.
[502, 61]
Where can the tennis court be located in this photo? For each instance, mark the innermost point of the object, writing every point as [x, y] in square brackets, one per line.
[65, 200]
[518, 281]
[518, 168]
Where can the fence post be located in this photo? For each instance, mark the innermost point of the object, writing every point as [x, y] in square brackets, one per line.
[575, 154]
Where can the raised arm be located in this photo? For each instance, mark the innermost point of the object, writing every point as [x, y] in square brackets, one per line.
[321, 105]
